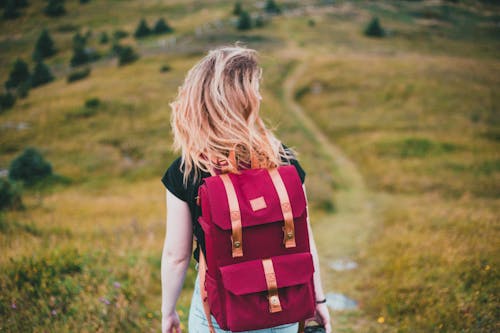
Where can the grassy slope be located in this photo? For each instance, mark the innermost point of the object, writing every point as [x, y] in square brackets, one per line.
[114, 207]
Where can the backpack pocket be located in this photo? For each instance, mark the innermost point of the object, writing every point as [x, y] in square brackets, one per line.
[247, 295]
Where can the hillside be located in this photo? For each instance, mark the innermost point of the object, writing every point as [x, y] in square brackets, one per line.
[398, 136]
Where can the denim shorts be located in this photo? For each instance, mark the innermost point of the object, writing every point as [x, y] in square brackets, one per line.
[198, 321]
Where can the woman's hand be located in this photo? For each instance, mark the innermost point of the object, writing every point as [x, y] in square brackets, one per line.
[170, 323]
[323, 316]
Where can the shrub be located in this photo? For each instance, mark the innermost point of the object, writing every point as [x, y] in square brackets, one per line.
[374, 29]
[126, 54]
[119, 34]
[30, 167]
[44, 46]
[7, 100]
[259, 21]
[93, 102]
[103, 38]
[41, 75]
[272, 8]
[10, 194]
[20, 73]
[244, 21]
[142, 29]
[78, 74]
[11, 11]
[162, 27]
[55, 8]
[165, 68]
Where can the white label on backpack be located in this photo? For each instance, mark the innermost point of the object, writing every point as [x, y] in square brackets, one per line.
[258, 203]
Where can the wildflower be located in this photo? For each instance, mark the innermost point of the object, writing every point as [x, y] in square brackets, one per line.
[117, 284]
[13, 305]
[53, 312]
[381, 320]
[150, 315]
[104, 300]
[487, 267]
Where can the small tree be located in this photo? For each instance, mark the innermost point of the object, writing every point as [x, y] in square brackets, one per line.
[126, 55]
[374, 29]
[55, 8]
[30, 167]
[142, 29]
[44, 46]
[259, 21]
[10, 194]
[237, 9]
[11, 11]
[244, 21]
[272, 8]
[19, 74]
[7, 100]
[103, 38]
[161, 27]
[24, 88]
[41, 75]
[79, 57]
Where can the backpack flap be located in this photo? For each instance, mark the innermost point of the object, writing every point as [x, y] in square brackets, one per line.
[249, 277]
[258, 200]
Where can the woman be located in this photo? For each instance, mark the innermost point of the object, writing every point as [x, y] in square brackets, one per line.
[217, 108]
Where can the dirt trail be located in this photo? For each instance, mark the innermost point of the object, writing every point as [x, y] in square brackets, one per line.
[342, 234]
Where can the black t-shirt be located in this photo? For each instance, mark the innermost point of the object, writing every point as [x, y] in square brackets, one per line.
[173, 181]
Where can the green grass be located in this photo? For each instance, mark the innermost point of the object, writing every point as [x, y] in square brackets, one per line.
[417, 112]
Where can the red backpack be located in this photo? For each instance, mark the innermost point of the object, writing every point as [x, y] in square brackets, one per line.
[258, 270]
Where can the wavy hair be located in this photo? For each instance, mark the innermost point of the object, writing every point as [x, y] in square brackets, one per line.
[217, 110]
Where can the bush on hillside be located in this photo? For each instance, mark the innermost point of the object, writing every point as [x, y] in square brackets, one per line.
[162, 27]
[374, 29]
[93, 102]
[41, 75]
[20, 73]
[23, 89]
[119, 34]
[30, 167]
[244, 21]
[44, 46]
[10, 194]
[7, 100]
[55, 8]
[165, 68]
[103, 38]
[126, 54]
[272, 8]
[78, 74]
[142, 29]
[11, 10]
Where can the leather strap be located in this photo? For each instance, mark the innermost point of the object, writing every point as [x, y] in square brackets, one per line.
[286, 208]
[234, 209]
[272, 286]
[202, 270]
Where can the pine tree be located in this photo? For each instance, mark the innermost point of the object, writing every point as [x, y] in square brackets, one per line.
[161, 27]
[44, 46]
[79, 57]
[10, 11]
[19, 74]
[7, 100]
[244, 21]
[41, 75]
[272, 8]
[55, 8]
[103, 38]
[126, 55]
[142, 29]
[237, 9]
[29, 167]
[374, 29]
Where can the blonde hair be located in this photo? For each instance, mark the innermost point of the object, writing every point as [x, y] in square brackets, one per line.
[217, 110]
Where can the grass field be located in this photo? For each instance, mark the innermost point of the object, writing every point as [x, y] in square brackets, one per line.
[413, 115]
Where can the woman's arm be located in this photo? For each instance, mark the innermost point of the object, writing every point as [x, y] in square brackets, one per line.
[175, 259]
[321, 309]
